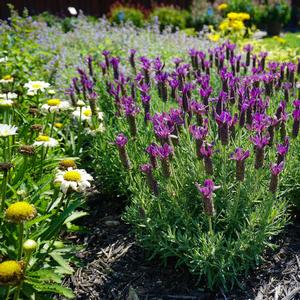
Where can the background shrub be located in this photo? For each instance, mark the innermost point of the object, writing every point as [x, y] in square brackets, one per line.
[121, 14]
[170, 16]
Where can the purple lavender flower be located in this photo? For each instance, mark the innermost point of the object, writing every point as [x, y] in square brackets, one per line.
[132, 53]
[199, 133]
[164, 153]
[115, 61]
[152, 183]
[207, 191]
[223, 120]
[206, 151]
[130, 111]
[106, 54]
[152, 150]
[240, 155]
[296, 117]
[259, 142]
[276, 169]
[120, 141]
[282, 150]
[199, 110]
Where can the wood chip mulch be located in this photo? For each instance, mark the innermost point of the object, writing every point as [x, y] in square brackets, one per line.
[115, 267]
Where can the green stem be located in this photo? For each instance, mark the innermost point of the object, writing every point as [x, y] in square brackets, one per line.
[3, 188]
[21, 236]
[211, 231]
[7, 293]
[17, 292]
[52, 124]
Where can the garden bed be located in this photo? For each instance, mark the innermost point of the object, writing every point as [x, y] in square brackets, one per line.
[114, 266]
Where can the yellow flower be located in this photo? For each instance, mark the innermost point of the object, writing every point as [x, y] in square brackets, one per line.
[214, 37]
[43, 138]
[72, 175]
[11, 272]
[67, 163]
[232, 16]
[20, 212]
[6, 78]
[222, 6]
[58, 125]
[243, 16]
[224, 25]
[279, 39]
[53, 102]
[237, 25]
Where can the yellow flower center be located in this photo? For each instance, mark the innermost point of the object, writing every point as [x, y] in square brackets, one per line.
[7, 77]
[87, 112]
[72, 176]
[67, 163]
[10, 272]
[43, 138]
[53, 102]
[20, 211]
[36, 85]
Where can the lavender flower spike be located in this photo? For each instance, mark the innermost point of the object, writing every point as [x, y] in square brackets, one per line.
[259, 143]
[207, 191]
[164, 152]
[120, 141]
[276, 169]
[239, 155]
[152, 183]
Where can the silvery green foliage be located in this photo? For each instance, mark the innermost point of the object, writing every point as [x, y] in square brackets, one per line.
[71, 48]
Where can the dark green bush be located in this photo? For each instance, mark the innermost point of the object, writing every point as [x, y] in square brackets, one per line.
[170, 16]
[120, 14]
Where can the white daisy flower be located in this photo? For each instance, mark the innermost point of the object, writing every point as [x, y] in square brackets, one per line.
[94, 132]
[35, 86]
[7, 79]
[55, 105]
[3, 59]
[45, 141]
[6, 103]
[9, 96]
[7, 130]
[86, 114]
[75, 179]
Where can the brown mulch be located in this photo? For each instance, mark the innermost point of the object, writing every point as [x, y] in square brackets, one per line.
[115, 267]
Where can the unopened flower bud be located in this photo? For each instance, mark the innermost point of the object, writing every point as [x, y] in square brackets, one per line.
[29, 246]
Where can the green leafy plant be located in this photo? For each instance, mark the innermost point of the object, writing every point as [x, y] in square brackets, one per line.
[121, 13]
[170, 16]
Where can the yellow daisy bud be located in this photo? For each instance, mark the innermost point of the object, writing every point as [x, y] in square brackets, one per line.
[20, 212]
[67, 163]
[58, 125]
[29, 246]
[11, 272]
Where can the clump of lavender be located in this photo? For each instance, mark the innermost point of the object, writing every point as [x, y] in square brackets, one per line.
[240, 155]
[152, 183]
[276, 169]
[206, 151]
[259, 142]
[207, 191]
[121, 141]
[164, 153]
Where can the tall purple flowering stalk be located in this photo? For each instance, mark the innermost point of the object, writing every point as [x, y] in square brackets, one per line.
[152, 183]
[164, 153]
[276, 169]
[259, 142]
[121, 141]
[240, 155]
[131, 110]
[206, 151]
[296, 117]
[199, 133]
